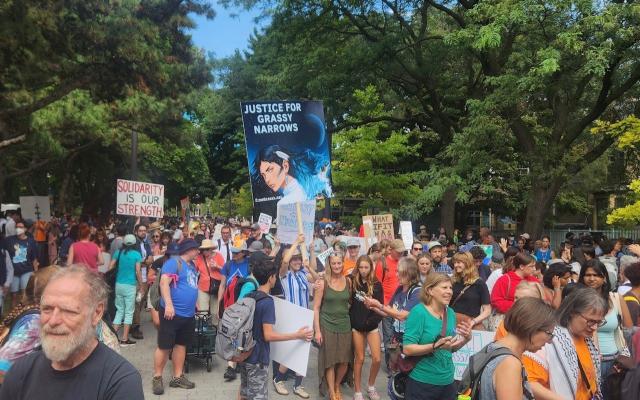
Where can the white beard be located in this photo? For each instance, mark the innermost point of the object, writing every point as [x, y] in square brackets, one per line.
[60, 348]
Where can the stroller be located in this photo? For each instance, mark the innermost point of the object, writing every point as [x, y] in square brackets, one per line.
[202, 346]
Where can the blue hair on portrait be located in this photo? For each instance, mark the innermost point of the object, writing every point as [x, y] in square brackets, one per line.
[309, 168]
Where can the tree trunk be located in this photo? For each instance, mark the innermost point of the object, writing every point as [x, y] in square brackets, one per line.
[541, 198]
[448, 210]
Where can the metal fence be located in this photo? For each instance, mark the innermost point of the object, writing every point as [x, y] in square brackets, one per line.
[557, 236]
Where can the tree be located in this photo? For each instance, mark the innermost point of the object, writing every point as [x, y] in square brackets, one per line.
[77, 79]
[367, 159]
[541, 72]
[627, 132]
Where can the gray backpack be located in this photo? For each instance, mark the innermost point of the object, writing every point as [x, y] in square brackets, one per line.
[471, 378]
[234, 341]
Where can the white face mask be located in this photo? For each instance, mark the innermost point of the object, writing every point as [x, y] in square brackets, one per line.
[20, 231]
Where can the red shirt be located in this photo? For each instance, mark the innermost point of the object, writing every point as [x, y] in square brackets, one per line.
[504, 291]
[215, 264]
[390, 282]
[86, 253]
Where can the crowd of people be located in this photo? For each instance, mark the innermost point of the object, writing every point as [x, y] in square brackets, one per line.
[562, 316]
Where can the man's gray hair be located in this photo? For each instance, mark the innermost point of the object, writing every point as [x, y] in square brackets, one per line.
[581, 300]
[98, 288]
[626, 260]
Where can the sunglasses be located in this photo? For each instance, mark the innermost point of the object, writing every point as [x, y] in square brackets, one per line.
[417, 248]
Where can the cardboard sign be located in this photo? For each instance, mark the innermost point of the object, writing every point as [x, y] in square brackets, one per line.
[479, 339]
[292, 353]
[264, 221]
[406, 232]
[322, 257]
[382, 225]
[140, 199]
[35, 208]
[288, 224]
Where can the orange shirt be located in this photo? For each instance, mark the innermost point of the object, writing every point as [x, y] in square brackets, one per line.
[537, 373]
[215, 264]
[500, 331]
[40, 234]
[348, 266]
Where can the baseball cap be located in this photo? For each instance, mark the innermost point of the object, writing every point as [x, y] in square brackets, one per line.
[129, 240]
[256, 245]
[433, 245]
[353, 242]
[525, 236]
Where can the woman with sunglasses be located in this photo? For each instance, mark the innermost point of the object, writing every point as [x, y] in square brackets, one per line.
[569, 366]
[156, 244]
[594, 275]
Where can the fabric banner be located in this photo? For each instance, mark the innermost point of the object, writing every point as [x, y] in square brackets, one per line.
[288, 152]
[140, 199]
[382, 226]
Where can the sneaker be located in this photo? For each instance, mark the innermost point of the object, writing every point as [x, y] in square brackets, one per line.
[181, 382]
[358, 396]
[373, 394]
[301, 392]
[128, 342]
[230, 374]
[137, 334]
[280, 388]
[156, 384]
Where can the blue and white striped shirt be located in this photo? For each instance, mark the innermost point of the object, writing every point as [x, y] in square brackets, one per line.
[296, 287]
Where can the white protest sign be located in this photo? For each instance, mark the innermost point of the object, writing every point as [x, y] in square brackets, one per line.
[140, 199]
[322, 257]
[479, 339]
[288, 227]
[292, 353]
[406, 232]
[35, 208]
[264, 221]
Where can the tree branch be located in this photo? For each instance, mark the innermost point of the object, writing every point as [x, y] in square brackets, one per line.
[14, 140]
[457, 17]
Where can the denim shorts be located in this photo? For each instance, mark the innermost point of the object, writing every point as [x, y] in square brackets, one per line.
[20, 282]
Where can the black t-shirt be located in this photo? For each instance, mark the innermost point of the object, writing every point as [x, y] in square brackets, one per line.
[472, 299]
[104, 375]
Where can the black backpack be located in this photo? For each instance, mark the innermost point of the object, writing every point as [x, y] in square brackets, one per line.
[471, 378]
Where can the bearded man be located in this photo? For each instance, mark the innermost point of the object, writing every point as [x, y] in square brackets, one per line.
[72, 363]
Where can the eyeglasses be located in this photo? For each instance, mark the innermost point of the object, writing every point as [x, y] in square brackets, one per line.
[593, 322]
[417, 248]
[550, 334]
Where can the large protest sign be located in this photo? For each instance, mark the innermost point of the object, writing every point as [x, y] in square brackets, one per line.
[479, 339]
[140, 199]
[292, 353]
[382, 225]
[35, 208]
[294, 218]
[288, 151]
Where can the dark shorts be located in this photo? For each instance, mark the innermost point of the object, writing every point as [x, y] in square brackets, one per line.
[423, 391]
[177, 331]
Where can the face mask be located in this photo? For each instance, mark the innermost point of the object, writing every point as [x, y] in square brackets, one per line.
[20, 231]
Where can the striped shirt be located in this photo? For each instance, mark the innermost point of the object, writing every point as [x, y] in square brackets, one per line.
[444, 269]
[296, 287]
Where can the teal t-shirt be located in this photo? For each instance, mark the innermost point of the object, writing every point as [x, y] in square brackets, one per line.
[248, 287]
[127, 266]
[421, 328]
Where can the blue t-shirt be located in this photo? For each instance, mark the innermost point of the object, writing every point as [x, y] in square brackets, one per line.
[232, 268]
[265, 313]
[22, 253]
[404, 301]
[127, 266]
[542, 255]
[185, 293]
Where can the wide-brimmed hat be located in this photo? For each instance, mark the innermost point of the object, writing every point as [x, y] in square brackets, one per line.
[173, 249]
[187, 244]
[208, 244]
[245, 224]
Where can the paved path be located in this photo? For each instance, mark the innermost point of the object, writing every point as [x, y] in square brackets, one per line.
[211, 385]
